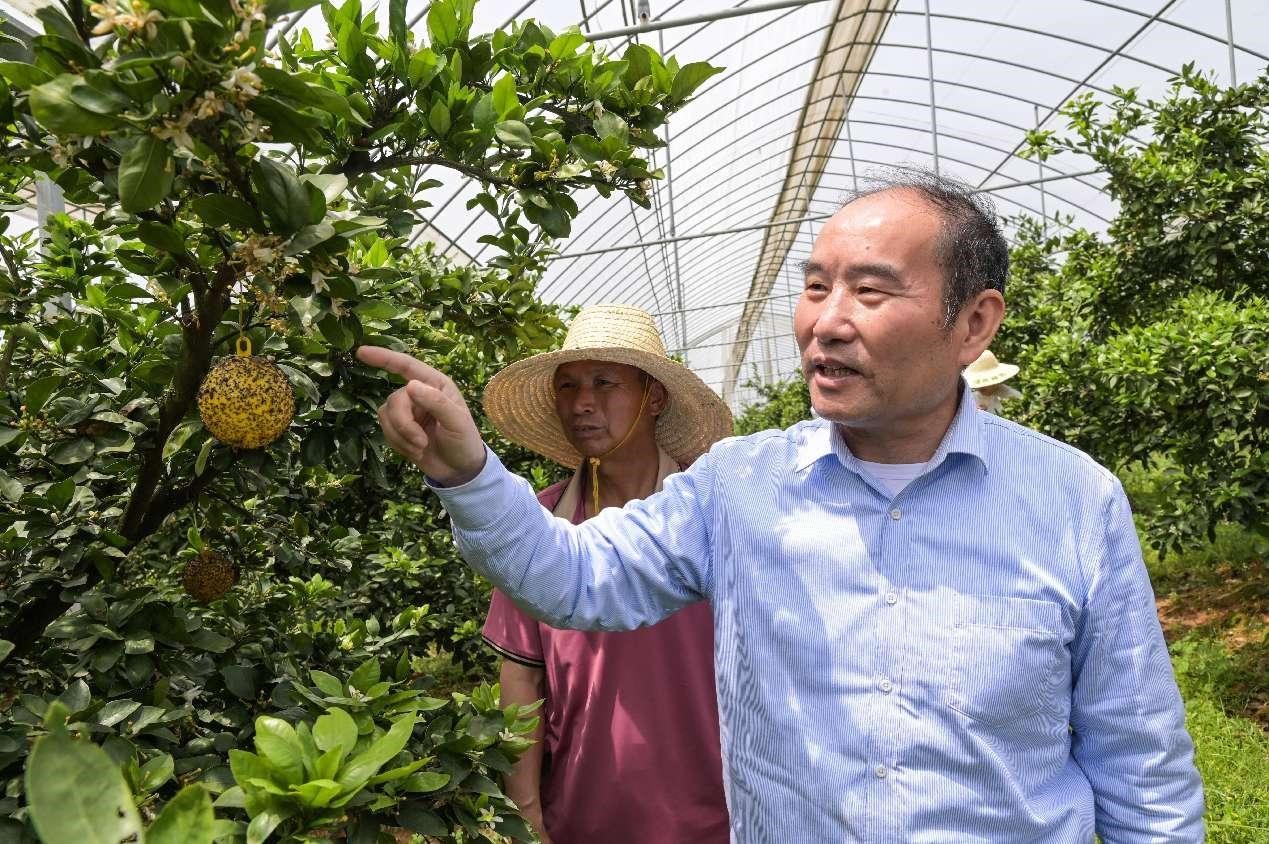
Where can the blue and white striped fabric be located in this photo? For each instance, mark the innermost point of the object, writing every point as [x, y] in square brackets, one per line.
[975, 659]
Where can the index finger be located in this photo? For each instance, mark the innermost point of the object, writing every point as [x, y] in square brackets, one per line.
[401, 364]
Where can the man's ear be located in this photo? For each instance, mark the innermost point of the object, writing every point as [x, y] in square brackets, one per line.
[657, 398]
[978, 322]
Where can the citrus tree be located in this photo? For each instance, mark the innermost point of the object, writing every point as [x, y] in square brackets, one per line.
[183, 605]
[1148, 346]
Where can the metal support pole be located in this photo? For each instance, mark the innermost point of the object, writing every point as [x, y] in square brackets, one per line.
[736, 12]
[929, 61]
[795, 222]
[1229, 33]
[669, 189]
[850, 150]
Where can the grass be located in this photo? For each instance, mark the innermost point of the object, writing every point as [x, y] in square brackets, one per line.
[1214, 607]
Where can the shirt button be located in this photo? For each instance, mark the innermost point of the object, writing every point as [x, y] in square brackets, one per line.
[880, 771]
[892, 598]
[896, 513]
[886, 686]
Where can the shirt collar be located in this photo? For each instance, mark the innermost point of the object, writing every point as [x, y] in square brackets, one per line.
[820, 438]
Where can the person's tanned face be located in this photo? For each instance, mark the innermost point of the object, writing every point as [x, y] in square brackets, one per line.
[597, 402]
[870, 323]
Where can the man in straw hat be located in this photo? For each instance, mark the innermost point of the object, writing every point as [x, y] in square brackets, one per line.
[986, 377]
[930, 623]
[629, 722]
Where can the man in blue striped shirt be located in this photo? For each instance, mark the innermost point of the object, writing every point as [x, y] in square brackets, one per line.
[931, 624]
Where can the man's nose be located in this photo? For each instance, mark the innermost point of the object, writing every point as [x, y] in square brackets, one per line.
[835, 322]
[584, 399]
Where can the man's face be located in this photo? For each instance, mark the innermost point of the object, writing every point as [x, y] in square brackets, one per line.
[870, 322]
[597, 403]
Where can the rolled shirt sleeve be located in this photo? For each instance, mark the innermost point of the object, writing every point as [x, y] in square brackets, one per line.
[623, 569]
[1128, 719]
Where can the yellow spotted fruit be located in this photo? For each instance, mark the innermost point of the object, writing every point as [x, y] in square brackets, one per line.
[246, 401]
[208, 576]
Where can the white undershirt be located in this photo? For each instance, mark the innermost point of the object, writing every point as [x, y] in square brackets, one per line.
[893, 476]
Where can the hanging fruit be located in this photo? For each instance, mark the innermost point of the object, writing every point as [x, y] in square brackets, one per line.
[246, 401]
[208, 576]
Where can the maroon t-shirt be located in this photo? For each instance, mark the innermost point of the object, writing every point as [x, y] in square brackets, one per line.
[631, 724]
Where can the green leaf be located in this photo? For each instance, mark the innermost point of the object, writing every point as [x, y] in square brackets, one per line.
[76, 697]
[52, 106]
[22, 75]
[366, 764]
[6, 648]
[396, 23]
[77, 794]
[366, 675]
[308, 237]
[73, 451]
[115, 711]
[246, 766]
[328, 684]
[398, 773]
[221, 211]
[277, 743]
[423, 66]
[689, 78]
[38, 391]
[102, 98]
[566, 43]
[335, 730]
[609, 125]
[240, 681]
[10, 488]
[145, 174]
[442, 25]
[284, 198]
[156, 772]
[208, 640]
[263, 824]
[426, 781]
[332, 185]
[505, 100]
[160, 236]
[438, 118]
[200, 463]
[514, 133]
[60, 493]
[275, 8]
[186, 819]
[416, 818]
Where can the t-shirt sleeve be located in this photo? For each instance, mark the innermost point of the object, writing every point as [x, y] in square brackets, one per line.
[512, 633]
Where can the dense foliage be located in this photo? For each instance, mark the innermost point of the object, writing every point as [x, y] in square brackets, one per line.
[1150, 345]
[235, 192]
[778, 406]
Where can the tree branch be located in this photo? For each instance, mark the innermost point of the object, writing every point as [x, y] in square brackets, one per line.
[136, 522]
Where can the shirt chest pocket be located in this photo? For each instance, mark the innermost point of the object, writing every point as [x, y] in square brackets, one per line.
[1006, 658]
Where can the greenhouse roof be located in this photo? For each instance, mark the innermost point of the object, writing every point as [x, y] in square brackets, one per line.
[816, 97]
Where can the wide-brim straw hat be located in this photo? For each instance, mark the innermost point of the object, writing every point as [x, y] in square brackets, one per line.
[520, 400]
[987, 371]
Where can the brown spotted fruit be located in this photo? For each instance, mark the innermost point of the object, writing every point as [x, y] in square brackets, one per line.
[208, 576]
[246, 401]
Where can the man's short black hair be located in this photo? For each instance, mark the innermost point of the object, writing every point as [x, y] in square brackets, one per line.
[972, 249]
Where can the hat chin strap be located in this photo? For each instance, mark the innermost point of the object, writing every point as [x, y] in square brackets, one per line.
[593, 462]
